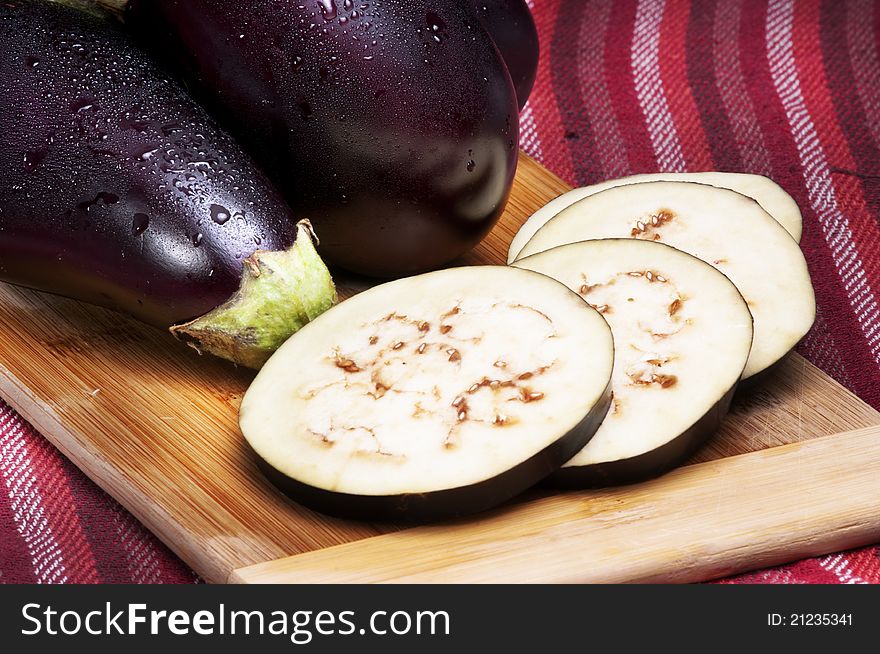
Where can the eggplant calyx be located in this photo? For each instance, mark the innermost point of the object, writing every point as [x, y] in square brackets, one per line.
[280, 292]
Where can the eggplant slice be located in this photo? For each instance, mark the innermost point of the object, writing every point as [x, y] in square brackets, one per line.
[682, 334]
[724, 228]
[432, 396]
[770, 195]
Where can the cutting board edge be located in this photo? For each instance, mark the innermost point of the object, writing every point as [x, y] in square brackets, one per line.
[111, 480]
[858, 524]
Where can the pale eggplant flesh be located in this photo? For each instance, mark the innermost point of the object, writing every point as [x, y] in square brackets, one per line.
[772, 198]
[728, 230]
[682, 335]
[433, 396]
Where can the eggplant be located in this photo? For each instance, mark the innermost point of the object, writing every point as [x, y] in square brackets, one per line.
[432, 396]
[682, 336]
[119, 190]
[770, 195]
[512, 28]
[391, 124]
[728, 230]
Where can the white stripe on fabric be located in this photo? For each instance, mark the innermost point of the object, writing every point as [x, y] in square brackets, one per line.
[141, 556]
[645, 60]
[838, 565]
[26, 503]
[529, 140]
[817, 174]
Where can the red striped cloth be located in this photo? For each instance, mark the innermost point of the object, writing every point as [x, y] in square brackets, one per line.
[786, 89]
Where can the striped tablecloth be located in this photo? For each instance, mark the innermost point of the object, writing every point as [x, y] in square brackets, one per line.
[785, 89]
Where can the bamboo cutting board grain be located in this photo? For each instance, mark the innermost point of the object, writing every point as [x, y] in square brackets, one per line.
[156, 426]
[698, 522]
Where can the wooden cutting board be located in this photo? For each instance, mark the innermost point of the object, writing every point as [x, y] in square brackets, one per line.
[155, 425]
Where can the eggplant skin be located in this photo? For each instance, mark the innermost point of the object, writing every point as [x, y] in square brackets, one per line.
[117, 187]
[391, 124]
[448, 503]
[650, 464]
[512, 28]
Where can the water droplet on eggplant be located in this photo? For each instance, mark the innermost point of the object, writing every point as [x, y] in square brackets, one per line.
[328, 9]
[220, 214]
[82, 104]
[34, 158]
[103, 197]
[139, 223]
[305, 110]
[436, 26]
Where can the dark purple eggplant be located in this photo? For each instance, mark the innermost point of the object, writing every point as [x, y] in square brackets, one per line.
[391, 124]
[512, 28]
[119, 190]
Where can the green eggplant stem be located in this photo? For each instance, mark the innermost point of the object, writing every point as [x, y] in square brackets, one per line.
[280, 292]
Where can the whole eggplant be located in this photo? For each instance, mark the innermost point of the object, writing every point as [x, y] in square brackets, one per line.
[119, 190]
[512, 28]
[391, 124]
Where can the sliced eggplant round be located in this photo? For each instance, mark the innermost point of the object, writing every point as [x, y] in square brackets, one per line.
[770, 195]
[724, 228]
[432, 396]
[682, 335]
